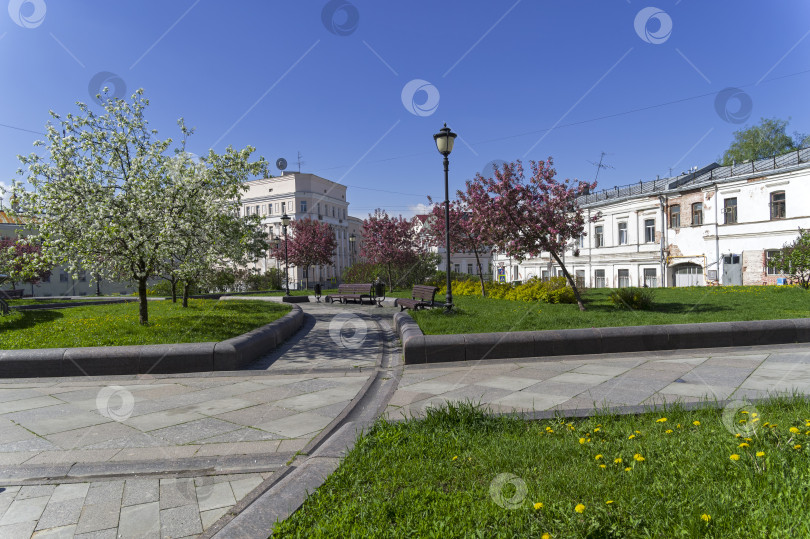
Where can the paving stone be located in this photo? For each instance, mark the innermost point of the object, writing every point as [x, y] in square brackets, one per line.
[103, 492]
[604, 370]
[141, 491]
[211, 516]
[508, 382]
[579, 378]
[99, 516]
[69, 491]
[296, 425]
[14, 433]
[28, 404]
[53, 419]
[75, 455]
[18, 530]
[35, 491]
[159, 420]
[242, 487]
[317, 399]
[111, 533]
[180, 521]
[35, 443]
[60, 513]
[292, 445]
[177, 493]
[89, 436]
[241, 435]
[63, 532]
[238, 448]
[219, 406]
[7, 459]
[194, 431]
[530, 401]
[27, 510]
[215, 496]
[155, 453]
[140, 521]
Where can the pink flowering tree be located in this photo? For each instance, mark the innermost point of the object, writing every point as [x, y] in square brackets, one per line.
[309, 243]
[527, 216]
[468, 231]
[22, 261]
[389, 241]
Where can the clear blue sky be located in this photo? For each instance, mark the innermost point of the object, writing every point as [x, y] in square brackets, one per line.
[271, 74]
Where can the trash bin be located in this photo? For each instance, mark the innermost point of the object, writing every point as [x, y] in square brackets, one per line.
[317, 290]
[379, 291]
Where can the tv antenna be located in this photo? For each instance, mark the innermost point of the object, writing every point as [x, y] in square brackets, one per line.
[600, 165]
[300, 161]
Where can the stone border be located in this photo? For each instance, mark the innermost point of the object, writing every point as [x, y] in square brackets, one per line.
[420, 348]
[228, 355]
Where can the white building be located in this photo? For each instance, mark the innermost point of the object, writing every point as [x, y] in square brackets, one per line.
[304, 196]
[717, 225]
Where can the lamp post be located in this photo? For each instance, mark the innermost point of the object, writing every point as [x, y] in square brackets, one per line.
[285, 222]
[444, 143]
[276, 247]
[352, 239]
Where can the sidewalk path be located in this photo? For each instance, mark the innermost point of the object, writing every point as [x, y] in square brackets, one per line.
[226, 454]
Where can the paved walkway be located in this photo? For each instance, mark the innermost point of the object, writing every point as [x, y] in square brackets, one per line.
[226, 454]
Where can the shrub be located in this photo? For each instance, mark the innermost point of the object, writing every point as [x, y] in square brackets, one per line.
[555, 290]
[638, 299]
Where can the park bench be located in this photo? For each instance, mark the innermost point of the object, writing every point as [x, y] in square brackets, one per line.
[11, 294]
[421, 296]
[354, 292]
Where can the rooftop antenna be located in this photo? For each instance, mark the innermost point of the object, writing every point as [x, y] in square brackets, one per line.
[300, 161]
[599, 166]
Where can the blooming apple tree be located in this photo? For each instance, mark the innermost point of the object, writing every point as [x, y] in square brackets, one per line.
[105, 198]
[22, 260]
[527, 216]
[468, 231]
[309, 243]
[389, 241]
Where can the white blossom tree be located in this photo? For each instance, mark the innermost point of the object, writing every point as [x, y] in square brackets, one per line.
[104, 195]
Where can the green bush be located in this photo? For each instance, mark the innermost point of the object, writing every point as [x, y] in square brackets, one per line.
[637, 299]
[555, 290]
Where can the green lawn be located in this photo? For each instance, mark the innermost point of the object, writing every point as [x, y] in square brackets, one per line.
[460, 473]
[672, 306]
[40, 301]
[115, 325]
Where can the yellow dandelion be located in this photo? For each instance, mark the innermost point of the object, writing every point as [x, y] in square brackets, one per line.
[797, 446]
[617, 461]
[582, 440]
[744, 412]
[738, 435]
[760, 453]
[597, 429]
[545, 536]
[743, 445]
[627, 469]
[455, 458]
[668, 431]
[597, 457]
[609, 502]
[538, 505]
[696, 423]
[662, 420]
[794, 430]
[748, 439]
[602, 466]
[638, 457]
[705, 518]
[735, 456]
[631, 436]
[579, 508]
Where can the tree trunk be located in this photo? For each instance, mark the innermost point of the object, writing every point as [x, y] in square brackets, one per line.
[174, 290]
[480, 274]
[570, 281]
[186, 286]
[143, 314]
[390, 278]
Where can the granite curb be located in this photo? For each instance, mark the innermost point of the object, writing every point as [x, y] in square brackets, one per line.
[420, 348]
[229, 355]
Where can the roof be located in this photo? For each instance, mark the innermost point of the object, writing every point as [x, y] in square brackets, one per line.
[5, 218]
[699, 178]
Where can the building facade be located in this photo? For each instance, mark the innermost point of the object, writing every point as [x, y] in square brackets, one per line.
[303, 196]
[713, 226]
[460, 261]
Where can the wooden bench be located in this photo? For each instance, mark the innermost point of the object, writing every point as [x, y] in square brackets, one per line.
[421, 296]
[11, 294]
[354, 292]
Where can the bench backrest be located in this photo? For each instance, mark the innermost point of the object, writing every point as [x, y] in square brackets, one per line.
[12, 294]
[354, 289]
[424, 292]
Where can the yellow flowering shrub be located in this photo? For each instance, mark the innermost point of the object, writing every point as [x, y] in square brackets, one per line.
[555, 290]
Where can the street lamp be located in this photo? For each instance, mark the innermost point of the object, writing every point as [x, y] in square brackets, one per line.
[444, 143]
[285, 222]
[352, 239]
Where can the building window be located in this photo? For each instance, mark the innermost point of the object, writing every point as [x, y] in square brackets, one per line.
[731, 259]
[469, 269]
[47, 277]
[303, 206]
[624, 278]
[270, 209]
[276, 207]
[63, 277]
[697, 213]
[599, 236]
[622, 233]
[82, 277]
[650, 280]
[769, 256]
[599, 278]
[333, 211]
[649, 230]
[778, 205]
[675, 216]
[283, 207]
[730, 211]
[457, 268]
[582, 240]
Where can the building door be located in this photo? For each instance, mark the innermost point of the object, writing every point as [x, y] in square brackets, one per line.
[688, 275]
[732, 270]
